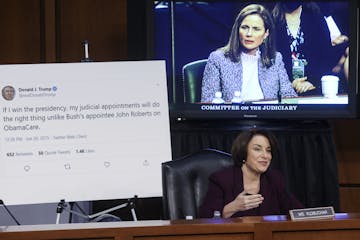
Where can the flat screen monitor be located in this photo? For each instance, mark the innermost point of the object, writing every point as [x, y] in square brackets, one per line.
[212, 73]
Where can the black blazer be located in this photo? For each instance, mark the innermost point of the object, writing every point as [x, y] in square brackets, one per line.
[226, 184]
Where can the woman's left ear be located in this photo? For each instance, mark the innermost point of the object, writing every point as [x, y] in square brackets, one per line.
[266, 34]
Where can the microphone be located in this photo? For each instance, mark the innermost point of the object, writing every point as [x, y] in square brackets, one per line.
[279, 97]
[8, 211]
[59, 209]
[86, 58]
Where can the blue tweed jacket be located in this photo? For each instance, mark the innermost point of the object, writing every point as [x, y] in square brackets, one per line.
[223, 75]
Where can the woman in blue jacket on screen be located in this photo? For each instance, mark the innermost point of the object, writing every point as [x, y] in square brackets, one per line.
[249, 188]
[248, 63]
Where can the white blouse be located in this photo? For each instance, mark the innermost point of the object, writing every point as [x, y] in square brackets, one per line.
[250, 88]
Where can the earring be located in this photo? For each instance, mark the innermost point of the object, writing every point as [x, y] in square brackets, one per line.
[244, 161]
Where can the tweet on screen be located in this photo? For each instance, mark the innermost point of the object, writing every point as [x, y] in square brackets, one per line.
[83, 131]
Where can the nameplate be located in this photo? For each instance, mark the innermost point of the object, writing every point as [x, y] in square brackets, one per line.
[312, 213]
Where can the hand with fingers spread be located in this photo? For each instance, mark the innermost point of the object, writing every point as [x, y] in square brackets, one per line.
[242, 202]
[301, 85]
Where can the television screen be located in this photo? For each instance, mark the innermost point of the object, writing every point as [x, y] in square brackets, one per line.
[265, 59]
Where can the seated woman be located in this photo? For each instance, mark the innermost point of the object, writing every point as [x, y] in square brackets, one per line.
[249, 188]
[248, 63]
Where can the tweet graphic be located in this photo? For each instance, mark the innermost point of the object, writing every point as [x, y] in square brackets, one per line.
[83, 131]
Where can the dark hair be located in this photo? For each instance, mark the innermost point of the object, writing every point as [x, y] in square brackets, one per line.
[280, 9]
[267, 49]
[240, 145]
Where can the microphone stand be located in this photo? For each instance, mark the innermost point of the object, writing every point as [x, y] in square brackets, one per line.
[8, 211]
[97, 216]
[279, 97]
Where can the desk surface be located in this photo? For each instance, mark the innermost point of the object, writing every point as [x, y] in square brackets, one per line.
[339, 99]
[342, 226]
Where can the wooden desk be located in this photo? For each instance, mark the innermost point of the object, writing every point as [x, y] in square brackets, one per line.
[339, 99]
[343, 226]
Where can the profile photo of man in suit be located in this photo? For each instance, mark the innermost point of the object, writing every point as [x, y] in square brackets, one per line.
[8, 93]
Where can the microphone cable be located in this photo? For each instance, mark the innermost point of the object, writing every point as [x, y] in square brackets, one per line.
[8, 211]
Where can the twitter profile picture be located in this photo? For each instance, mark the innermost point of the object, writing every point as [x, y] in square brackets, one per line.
[8, 93]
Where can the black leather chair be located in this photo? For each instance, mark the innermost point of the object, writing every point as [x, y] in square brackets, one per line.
[185, 181]
[192, 77]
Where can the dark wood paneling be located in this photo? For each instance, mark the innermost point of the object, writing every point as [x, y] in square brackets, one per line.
[101, 22]
[49, 31]
[35, 31]
[20, 31]
[349, 199]
[346, 137]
